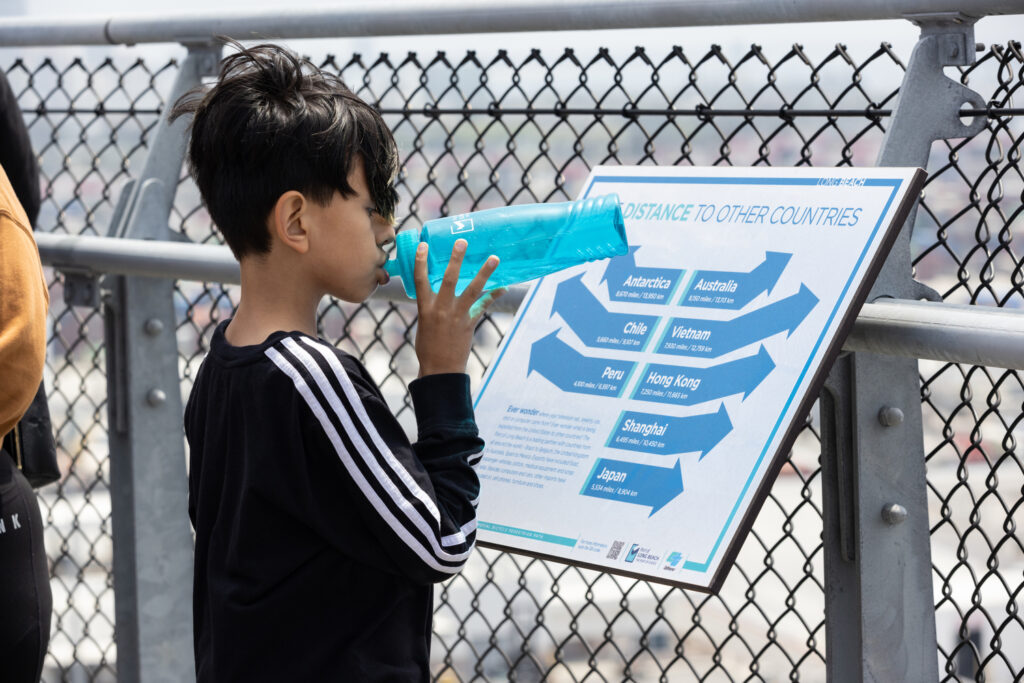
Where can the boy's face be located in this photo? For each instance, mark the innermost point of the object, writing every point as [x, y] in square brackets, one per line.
[347, 248]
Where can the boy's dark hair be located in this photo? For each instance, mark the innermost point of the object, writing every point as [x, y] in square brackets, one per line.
[274, 122]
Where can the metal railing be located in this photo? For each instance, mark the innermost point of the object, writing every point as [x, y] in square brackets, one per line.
[477, 130]
[914, 329]
[413, 17]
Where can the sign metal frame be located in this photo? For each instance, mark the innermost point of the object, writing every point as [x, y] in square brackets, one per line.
[905, 191]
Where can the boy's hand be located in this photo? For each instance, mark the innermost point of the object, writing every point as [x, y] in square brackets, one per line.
[444, 334]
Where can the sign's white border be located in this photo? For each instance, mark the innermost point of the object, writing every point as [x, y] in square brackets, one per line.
[904, 185]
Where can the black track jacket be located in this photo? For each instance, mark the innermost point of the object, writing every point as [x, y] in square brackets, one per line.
[319, 527]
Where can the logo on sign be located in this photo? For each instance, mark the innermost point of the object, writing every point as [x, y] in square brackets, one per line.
[631, 555]
[672, 561]
[462, 225]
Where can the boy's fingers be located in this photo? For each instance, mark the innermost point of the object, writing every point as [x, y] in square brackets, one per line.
[481, 305]
[451, 273]
[476, 286]
[419, 273]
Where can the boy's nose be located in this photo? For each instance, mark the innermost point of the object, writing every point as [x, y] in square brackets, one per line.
[387, 233]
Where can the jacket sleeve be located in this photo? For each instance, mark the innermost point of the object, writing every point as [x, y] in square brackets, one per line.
[23, 302]
[416, 503]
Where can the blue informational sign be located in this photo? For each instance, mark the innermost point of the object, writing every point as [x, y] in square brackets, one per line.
[639, 407]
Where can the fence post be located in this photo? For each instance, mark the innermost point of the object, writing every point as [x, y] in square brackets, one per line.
[152, 540]
[879, 609]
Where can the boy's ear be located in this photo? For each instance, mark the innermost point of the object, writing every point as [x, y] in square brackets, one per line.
[289, 221]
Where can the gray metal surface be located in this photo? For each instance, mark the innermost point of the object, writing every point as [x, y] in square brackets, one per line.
[148, 258]
[879, 611]
[927, 110]
[467, 16]
[152, 538]
[974, 335]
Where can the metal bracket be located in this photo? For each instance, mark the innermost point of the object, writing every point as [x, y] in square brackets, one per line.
[117, 361]
[81, 288]
[928, 109]
[929, 102]
[957, 34]
[207, 53]
[837, 466]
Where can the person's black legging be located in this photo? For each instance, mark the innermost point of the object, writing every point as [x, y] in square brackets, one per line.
[25, 600]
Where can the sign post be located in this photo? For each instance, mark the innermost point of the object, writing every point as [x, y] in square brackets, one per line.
[640, 407]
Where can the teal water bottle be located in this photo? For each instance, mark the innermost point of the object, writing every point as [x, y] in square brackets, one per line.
[532, 240]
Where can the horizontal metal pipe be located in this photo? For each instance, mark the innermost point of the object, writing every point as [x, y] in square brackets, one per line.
[424, 17]
[150, 258]
[977, 335]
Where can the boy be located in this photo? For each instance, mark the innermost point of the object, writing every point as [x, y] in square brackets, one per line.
[319, 527]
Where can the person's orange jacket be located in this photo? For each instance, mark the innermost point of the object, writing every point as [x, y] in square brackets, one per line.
[24, 299]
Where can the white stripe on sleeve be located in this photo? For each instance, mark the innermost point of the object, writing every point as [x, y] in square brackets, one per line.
[394, 496]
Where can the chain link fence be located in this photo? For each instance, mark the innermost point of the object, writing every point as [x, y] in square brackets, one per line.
[478, 130]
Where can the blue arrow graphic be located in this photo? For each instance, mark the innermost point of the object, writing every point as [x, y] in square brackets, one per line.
[730, 290]
[594, 325]
[629, 482]
[573, 372]
[690, 386]
[669, 435]
[630, 282]
[712, 338]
